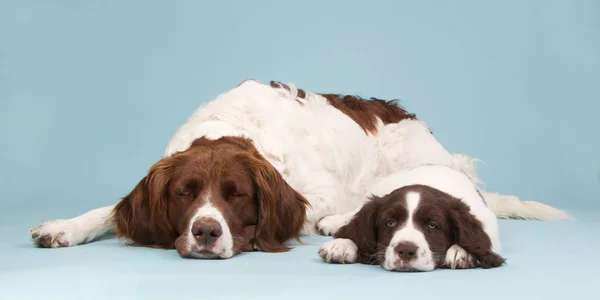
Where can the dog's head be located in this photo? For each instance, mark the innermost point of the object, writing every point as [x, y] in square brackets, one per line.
[213, 200]
[412, 228]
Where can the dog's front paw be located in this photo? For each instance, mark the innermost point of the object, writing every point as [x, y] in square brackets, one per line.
[55, 234]
[459, 258]
[339, 251]
[330, 224]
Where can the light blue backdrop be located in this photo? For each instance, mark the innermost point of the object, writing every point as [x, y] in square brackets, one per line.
[91, 91]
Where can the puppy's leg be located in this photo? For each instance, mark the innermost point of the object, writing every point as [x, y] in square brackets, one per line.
[74, 231]
[459, 258]
[339, 251]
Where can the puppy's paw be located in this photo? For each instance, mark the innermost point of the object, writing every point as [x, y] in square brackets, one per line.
[55, 234]
[339, 251]
[459, 258]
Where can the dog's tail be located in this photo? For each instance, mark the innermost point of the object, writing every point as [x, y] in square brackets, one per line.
[511, 207]
[508, 206]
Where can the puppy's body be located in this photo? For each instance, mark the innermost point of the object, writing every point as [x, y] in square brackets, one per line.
[465, 235]
[451, 182]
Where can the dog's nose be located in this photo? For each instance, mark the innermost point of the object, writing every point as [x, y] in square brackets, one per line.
[206, 231]
[406, 250]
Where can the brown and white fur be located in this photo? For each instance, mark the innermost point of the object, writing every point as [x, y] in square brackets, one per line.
[262, 164]
[420, 219]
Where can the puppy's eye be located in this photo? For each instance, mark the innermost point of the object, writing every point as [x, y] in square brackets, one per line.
[390, 223]
[432, 225]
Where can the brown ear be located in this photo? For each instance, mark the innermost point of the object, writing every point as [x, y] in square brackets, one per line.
[469, 234]
[362, 230]
[142, 215]
[281, 210]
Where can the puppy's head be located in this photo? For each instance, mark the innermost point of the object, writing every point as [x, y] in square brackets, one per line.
[411, 229]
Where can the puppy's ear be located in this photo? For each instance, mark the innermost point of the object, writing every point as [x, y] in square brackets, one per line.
[362, 230]
[469, 234]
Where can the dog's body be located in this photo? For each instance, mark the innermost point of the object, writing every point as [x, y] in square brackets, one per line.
[419, 219]
[322, 151]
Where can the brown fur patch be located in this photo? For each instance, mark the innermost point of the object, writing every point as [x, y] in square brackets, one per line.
[364, 112]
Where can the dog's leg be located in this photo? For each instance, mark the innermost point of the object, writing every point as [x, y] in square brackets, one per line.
[74, 231]
[458, 258]
[330, 224]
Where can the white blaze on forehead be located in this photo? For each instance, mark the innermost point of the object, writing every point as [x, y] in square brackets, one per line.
[224, 245]
[408, 232]
[412, 202]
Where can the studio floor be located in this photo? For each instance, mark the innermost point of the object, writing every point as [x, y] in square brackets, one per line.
[545, 260]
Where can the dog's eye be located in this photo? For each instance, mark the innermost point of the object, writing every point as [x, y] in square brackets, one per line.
[237, 195]
[183, 193]
[432, 225]
[390, 223]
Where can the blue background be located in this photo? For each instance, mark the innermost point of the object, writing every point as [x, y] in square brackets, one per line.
[91, 92]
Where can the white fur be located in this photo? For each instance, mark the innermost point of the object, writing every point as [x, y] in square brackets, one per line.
[511, 207]
[459, 258]
[343, 251]
[223, 246]
[320, 152]
[75, 231]
[330, 224]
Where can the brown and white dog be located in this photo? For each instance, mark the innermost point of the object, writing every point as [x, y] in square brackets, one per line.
[263, 164]
[419, 219]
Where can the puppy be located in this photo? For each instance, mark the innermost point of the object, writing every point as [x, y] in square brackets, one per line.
[420, 219]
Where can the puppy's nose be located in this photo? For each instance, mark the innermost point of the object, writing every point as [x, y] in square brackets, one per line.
[406, 250]
[206, 231]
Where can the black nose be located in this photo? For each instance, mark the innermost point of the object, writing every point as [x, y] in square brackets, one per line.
[206, 231]
[406, 250]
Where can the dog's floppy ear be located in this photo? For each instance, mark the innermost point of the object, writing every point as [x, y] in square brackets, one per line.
[362, 231]
[469, 234]
[141, 216]
[281, 209]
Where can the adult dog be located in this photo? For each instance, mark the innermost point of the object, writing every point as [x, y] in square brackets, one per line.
[262, 164]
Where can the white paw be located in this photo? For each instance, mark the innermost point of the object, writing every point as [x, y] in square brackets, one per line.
[458, 258]
[339, 251]
[330, 224]
[55, 234]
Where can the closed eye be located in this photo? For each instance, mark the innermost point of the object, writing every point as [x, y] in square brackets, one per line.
[237, 194]
[184, 193]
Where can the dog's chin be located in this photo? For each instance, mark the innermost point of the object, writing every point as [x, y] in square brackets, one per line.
[405, 269]
[205, 254]
[198, 252]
